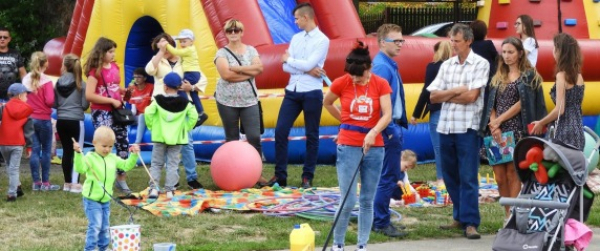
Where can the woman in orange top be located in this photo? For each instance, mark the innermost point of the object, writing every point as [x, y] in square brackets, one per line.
[366, 110]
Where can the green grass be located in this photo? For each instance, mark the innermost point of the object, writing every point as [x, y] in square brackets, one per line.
[55, 220]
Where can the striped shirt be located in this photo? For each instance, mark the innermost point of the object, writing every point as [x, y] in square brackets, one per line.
[458, 118]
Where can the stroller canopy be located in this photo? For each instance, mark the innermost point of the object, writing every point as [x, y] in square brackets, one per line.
[570, 159]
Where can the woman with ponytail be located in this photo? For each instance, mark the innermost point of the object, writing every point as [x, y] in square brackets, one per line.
[41, 99]
[365, 111]
[70, 104]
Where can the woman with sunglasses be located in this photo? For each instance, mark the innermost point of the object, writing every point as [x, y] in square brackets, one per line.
[238, 64]
[524, 27]
[365, 111]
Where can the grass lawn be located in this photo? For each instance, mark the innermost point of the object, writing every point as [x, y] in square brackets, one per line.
[55, 220]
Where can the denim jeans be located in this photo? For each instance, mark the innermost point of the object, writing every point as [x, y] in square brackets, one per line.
[41, 150]
[12, 158]
[434, 117]
[141, 128]
[311, 103]
[348, 159]
[188, 158]
[460, 162]
[98, 215]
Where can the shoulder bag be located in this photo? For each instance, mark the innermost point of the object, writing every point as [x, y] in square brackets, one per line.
[260, 110]
[121, 116]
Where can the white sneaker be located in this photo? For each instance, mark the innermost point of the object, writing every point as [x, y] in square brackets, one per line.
[361, 248]
[75, 188]
[170, 195]
[337, 248]
[67, 187]
[153, 194]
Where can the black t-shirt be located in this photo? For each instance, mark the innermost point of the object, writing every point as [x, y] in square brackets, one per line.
[10, 62]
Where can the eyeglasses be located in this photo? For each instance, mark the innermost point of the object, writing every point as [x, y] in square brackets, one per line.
[397, 41]
[354, 61]
[233, 30]
[4, 37]
[517, 24]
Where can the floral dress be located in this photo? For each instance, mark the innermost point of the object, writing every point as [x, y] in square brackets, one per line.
[569, 129]
[504, 100]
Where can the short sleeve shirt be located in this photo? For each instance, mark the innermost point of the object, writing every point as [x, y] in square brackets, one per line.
[110, 88]
[10, 62]
[351, 113]
[238, 94]
[532, 52]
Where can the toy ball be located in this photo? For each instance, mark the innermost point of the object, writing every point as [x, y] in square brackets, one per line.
[235, 165]
[590, 151]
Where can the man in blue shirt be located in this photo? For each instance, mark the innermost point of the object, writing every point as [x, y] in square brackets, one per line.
[304, 60]
[389, 37]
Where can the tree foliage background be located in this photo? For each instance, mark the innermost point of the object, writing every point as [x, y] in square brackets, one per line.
[32, 23]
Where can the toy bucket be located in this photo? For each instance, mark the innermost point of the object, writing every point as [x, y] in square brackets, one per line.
[126, 237]
[165, 247]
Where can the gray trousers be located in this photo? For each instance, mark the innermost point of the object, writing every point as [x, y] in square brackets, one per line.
[12, 157]
[159, 150]
[231, 117]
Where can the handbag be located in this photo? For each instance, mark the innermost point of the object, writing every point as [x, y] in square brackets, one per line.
[500, 153]
[511, 240]
[121, 116]
[260, 110]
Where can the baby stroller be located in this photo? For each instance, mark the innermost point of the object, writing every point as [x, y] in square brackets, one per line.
[553, 177]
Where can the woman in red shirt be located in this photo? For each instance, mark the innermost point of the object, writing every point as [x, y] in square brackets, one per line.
[366, 110]
[139, 95]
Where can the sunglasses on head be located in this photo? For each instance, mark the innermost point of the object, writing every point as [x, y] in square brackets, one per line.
[354, 61]
[4, 37]
[233, 30]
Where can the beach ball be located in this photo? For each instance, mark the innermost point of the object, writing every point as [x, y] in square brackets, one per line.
[235, 165]
[590, 151]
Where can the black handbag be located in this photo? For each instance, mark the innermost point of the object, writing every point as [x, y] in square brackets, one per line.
[121, 116]
[260, 110]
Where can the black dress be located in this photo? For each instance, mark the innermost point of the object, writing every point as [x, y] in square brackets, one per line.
[569, 129]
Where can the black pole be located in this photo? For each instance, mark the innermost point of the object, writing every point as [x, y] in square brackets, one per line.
[456, 11]
[559, 17]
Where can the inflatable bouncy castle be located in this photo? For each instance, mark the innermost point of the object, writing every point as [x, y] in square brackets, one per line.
[269, 27]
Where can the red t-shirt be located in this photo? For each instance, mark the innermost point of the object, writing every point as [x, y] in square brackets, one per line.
[141, 98]
[359, 109]
[113, 79]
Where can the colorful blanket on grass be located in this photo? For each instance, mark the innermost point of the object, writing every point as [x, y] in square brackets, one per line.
[246, 200]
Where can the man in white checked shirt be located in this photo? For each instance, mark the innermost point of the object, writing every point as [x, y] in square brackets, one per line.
[460, 86]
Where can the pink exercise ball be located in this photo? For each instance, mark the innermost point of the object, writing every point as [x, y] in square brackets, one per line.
[235, 165]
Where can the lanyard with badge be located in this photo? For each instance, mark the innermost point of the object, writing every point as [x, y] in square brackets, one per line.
[361, 107]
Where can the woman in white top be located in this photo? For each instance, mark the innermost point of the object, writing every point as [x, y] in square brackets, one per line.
[524, 27]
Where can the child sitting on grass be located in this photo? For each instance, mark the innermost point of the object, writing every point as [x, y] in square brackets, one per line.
[170, 117]
[407, 161]
[15, 132]
[191, 68]
[100, 167]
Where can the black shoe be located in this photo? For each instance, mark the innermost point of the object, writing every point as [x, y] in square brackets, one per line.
[176, 185]
[11, 198]
[390, 231]
[306, 183]
[194, 184]
[201, 119]
[272, 181]
[20, 191]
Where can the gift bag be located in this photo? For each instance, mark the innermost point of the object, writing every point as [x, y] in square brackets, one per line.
[500, 153]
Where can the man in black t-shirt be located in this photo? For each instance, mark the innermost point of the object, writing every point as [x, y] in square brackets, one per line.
[12, 69]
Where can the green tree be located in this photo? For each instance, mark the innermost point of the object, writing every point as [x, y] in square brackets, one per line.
[32, 23]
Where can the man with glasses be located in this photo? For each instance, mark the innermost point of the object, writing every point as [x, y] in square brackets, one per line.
[11, 65]
[304, 60]
[460, 86]
[390, 41]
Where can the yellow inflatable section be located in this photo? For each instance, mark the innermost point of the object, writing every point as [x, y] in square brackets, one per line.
[114, 19]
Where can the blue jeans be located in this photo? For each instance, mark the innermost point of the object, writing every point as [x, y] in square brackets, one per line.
[41, 150]
[434, 117]
[188, 157]
[348, 159]
[98, 215]
[460, 162]
[390, 174]
[293, 103]
[141, 128]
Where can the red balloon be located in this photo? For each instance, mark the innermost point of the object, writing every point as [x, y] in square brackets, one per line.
[236, 165]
